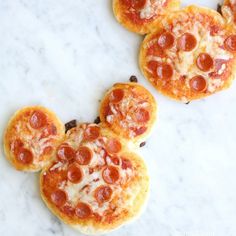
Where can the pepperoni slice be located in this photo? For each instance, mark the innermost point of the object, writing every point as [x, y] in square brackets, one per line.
[111, 174]
[84, 155]
[83, 210]
[103, 194]
[91, 133]
[204, 62]
[59, 197]
[113, 146]
[140, 130]
[16, 145]
[50, 129]
[136, 4]
[187, 42]
[38, 120]
[198, 83]
[230, 43]
[126, 164]
[166, 40]
[164, 71]
[117, 95]
[24, 156]
[142, 115]
[74, 173]
[65, 152]
[68, 210]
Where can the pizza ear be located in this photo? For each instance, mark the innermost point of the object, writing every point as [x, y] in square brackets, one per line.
[31, 136]
[129, 111]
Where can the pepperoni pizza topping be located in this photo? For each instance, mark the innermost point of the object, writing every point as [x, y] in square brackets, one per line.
[115, 160]
[65, 153]
[110, 174]
[38, 120]
[187, 42]
[84, 155]
[74, 173]
[59, 197]
[24, 156]
[166, 40]
[117, 95]
[230, 43]
[126, 164]
[68, 210]
[142, 115]
[198, 83]
[113, 146]
[16, 145]
[83, 210]
[103, 194]
[50, 129]
[164, 71]
[91, 133]
[204, 62]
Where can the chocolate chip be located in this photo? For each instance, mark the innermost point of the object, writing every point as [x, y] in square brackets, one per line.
[142, 144]
[69, 125]
[187, 102]
[97, 120]
[219, 8]
[133, 79]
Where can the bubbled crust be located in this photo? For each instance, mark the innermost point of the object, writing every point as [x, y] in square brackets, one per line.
[143, 26]
[138, 190]
[115, 127]
[11, 130]
[183, 92]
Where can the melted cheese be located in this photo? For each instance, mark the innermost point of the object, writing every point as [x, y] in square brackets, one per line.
[151, 8]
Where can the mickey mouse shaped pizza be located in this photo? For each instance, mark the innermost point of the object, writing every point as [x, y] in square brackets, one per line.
[139, 15]
[91, 180]
[190, 55]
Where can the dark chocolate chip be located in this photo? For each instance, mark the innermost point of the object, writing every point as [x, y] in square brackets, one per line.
[69, 125]
[97, 120]
[133, 79]
[219, 8]
[142, 144]
[187, 102]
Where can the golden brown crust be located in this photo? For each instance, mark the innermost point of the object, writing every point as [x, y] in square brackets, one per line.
[123, 122]
[132, 197]
[13, 133]
[136, 24]
[178, 88]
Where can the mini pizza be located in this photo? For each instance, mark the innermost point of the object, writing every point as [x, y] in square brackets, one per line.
[228, 10]
[190, 55]
[31, 137]
[129, 110]
[94, 184]
[138, 15]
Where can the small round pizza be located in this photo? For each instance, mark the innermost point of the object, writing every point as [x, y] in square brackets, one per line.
[138, 15]
[129, 110]
[190, 55]
[228, 10]
[94, 185]
[31, 137]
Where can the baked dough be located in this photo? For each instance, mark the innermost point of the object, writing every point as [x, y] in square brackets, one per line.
[31, 137]
[139, 15]
[129, 110]
[191, 54]
[94, 184]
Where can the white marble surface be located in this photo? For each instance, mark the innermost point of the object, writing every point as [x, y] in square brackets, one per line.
[64, 54]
